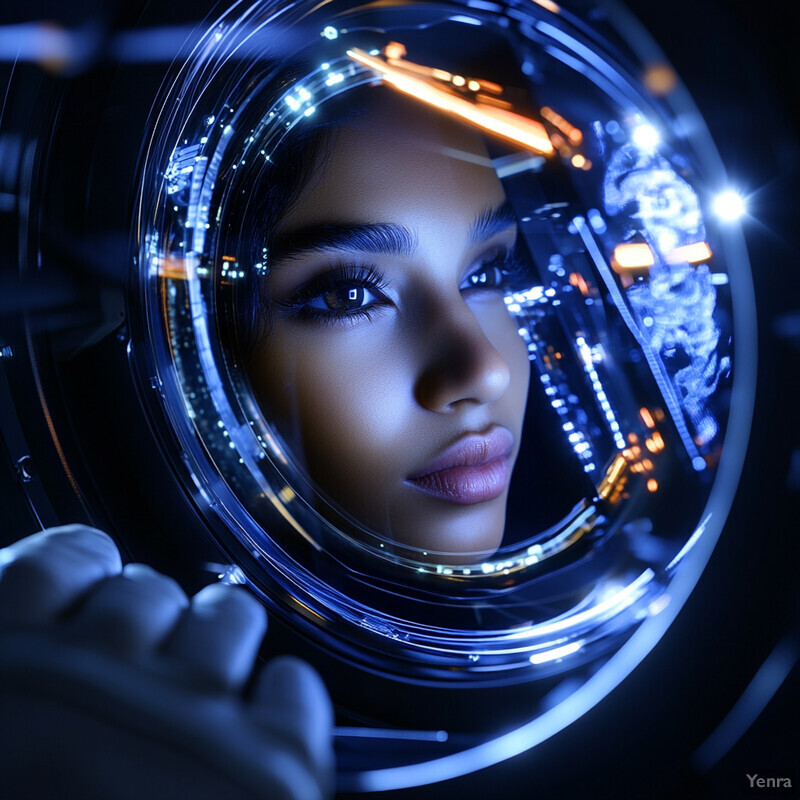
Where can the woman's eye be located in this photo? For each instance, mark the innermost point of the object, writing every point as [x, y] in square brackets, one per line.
[488, 276]
[346, 293]
[341, 299]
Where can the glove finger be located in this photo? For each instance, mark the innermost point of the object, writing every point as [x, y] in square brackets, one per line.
[219, 635]
[130, 614]
[43, 574]
[290, 702]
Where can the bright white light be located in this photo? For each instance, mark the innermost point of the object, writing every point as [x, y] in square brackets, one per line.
[729, 206]
[330, 32]
[646, 137]
[556, 653]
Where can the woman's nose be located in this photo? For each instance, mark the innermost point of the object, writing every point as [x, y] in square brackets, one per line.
[460, 365]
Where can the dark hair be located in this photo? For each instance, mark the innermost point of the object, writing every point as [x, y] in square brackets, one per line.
[262, 197]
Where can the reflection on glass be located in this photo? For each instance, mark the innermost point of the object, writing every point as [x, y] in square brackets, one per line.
[453, 391]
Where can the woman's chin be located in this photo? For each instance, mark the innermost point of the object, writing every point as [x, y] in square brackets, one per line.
[472, 536]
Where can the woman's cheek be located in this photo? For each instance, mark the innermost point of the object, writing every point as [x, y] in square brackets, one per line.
[354, 404]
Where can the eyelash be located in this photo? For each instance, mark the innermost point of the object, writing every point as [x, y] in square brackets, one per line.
[339, 277]
[511, 267]
[342, 276]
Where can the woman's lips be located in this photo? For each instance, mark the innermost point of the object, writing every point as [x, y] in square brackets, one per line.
[474, 469]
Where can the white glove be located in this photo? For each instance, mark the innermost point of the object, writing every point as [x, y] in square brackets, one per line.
[114, 685]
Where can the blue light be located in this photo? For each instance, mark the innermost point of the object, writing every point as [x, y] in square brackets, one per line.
[467, 20]
[729, 206]
[646, 137]
[596, 221]
[556, 653]
[680, 300]
[329, 32]
[667, 209]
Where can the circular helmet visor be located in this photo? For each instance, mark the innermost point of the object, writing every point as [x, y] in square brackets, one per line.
[444, 329]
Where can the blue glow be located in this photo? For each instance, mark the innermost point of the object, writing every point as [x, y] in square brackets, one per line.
[154, 44]
[655, 363]
[527, 308]
[390, 733]
[556, 654]
[646, 137]
[680, 299]
[667, 210]
[544, 726]
[729, 206]
[467, 20]
[35, 41]
[596, 221]
[693, 539]
[329, 32]
[588, 358]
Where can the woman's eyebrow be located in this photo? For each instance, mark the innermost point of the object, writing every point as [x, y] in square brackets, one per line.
[371, 238]
[492, 221]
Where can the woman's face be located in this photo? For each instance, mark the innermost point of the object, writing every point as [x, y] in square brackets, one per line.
[392, 365]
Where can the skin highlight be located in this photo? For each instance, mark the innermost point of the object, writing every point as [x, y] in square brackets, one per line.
[392, 365]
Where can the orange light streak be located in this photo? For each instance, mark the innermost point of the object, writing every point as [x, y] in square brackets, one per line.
[527, 132]
[633, 255]
[693, 253]
[579, 283]
[647, 417]
[172, 268]
[614, 479]
[655, 444]
[492, 88]
[549, 5]
[572, 133]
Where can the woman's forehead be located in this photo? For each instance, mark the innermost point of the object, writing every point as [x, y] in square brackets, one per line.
[398, 158]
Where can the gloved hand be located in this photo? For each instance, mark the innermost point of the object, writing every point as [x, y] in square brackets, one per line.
[114, 685]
